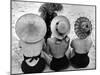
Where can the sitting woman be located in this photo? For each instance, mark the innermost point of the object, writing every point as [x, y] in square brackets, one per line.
[82, 44]
[58, 44]
[31, 34]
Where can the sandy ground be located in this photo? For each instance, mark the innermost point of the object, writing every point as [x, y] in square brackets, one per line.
[72, 12]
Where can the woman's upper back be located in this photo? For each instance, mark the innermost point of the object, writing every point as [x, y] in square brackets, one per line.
[81, 46]
[30, 50]
[58, 49]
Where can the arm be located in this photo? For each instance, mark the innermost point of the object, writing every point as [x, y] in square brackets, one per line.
[91, 43]
[46, 48]
[72, 42]
[20, 44]
[72, 51]
[67, 41]
[46, 53]
[47, 58]
[20, 51]
[67, 50]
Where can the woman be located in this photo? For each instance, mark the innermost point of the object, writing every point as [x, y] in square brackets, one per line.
[82, 44]
[58, 44]
[31, 34]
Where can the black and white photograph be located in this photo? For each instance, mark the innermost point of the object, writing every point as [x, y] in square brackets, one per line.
[52, 37]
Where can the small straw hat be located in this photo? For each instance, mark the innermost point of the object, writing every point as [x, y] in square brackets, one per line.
[60, 27]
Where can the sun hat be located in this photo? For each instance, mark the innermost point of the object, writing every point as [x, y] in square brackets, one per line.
[83, 27]
[30, 28]
[60, 27]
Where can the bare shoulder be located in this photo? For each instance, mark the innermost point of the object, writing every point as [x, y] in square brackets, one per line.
[74, 41]
[89, 42]
[51, 39]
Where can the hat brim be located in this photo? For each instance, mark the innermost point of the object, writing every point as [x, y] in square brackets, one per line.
[39, 28]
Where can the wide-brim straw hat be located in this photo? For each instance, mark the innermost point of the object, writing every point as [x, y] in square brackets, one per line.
[30, 28]
[60, 24]
[83, 27]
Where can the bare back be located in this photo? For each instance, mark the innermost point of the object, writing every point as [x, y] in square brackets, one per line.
[57, 50]
[30, 50]
[81, 46]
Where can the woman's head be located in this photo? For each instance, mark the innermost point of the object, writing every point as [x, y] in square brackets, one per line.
[60, 27]
[83, 27]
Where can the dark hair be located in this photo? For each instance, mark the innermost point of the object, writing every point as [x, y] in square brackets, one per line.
[48, 13]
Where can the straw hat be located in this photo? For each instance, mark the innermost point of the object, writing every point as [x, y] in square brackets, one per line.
[30, 28]
[83, 27]
[60, 27]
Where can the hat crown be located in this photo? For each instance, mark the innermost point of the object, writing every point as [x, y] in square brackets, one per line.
[60, 25]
